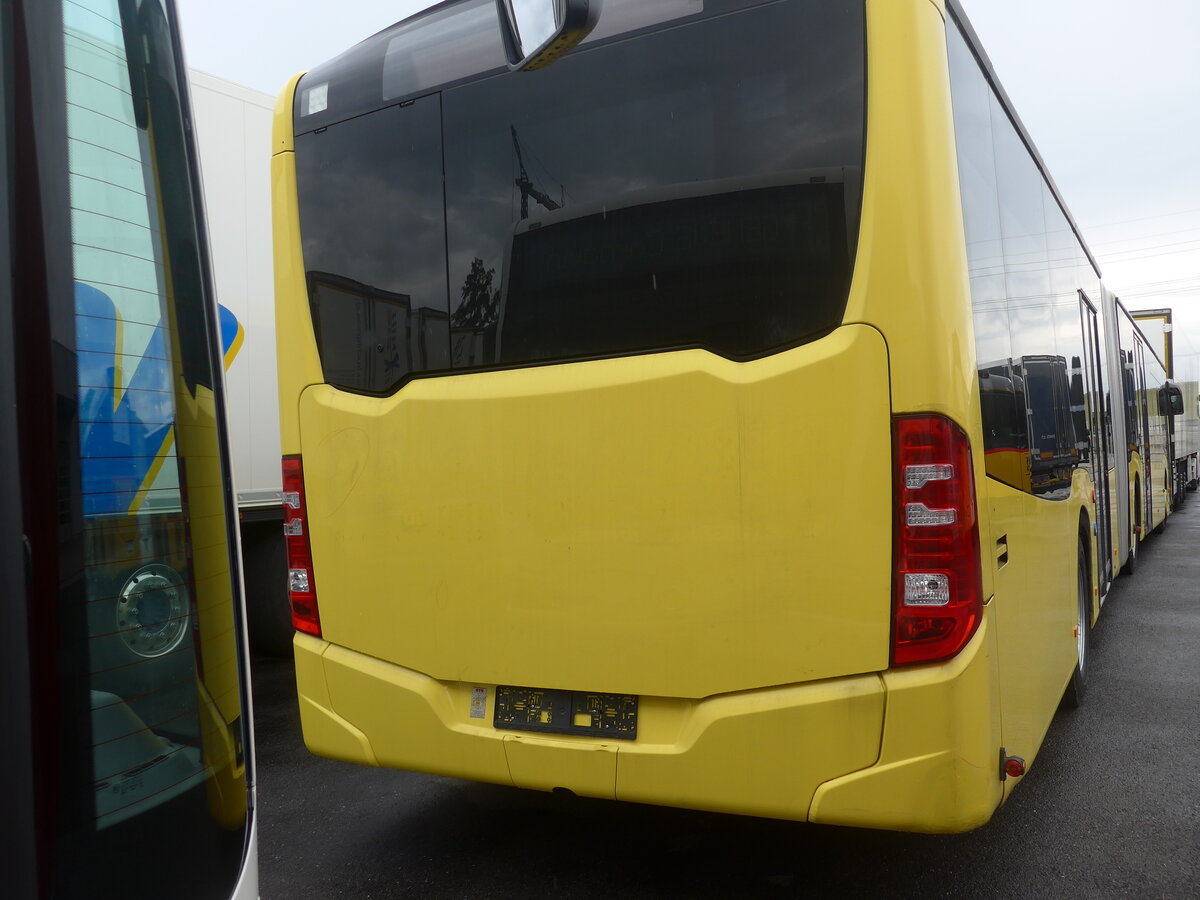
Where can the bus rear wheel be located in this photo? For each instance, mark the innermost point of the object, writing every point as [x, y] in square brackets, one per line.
[268, 610]
[1135, 536]
[1083, 626]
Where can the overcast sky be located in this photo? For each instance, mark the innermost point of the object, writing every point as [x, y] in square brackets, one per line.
[1109, 90]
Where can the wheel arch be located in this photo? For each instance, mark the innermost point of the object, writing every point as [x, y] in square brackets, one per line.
[1087, 540]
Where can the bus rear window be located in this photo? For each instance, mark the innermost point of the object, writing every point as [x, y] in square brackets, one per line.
[722, 271]
[643, 194]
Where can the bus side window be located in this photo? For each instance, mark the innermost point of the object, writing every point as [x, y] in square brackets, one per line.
[1131, 417]
[1079, 408]
[1005, 432]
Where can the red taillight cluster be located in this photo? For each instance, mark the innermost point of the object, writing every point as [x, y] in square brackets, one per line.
[938, 591]
[302, 589]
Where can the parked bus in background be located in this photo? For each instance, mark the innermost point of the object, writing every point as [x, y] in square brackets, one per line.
[1140, 414]
[124, 668]
[675, 424]
[1182, 361]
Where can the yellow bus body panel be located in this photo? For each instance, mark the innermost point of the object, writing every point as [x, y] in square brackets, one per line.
[741, 752]
[1034, 610]
[910, 275]
[1010, 466]
[938, 767]
[912, 271]
[295, 346]
[218, 687]
[670, 525]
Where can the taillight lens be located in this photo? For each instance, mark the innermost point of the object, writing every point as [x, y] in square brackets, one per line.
[302, 589]
[938, 590]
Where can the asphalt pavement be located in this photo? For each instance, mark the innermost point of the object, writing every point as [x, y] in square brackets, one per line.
[1111, 807]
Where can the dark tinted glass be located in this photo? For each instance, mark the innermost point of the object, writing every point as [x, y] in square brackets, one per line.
[723, 271]
[375, 245]
[1002, 396]
[644, 194]
[452, 42]
[1135, 430]
[156, 733]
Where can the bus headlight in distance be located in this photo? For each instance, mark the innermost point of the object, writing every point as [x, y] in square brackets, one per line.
[302, 589]
[938, 600]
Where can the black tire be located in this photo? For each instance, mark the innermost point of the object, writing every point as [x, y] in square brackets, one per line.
[1162, 526]
[268, 611]
[1135, 536]
[1077, 687]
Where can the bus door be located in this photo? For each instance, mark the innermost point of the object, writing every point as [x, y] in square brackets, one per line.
[1098, 449]
[1138, 354]
[123, 678]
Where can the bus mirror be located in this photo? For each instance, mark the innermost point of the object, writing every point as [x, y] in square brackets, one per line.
[1171, 400]
[537, 32]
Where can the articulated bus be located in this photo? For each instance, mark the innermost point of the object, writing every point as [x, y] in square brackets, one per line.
[667, 423]
[1176, 351]
[1140, 385]
[124, 694]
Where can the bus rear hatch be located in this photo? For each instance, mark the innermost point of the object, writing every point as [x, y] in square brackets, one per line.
[674, 525]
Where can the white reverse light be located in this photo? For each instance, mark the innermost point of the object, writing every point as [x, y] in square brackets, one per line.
[919, 476]
[298, 580]
[920, 515]
[926, 589]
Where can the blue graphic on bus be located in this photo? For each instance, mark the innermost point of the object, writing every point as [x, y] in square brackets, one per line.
[126, 418]
[231, 334]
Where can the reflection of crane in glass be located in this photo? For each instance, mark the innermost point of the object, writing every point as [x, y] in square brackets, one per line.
[525, 183]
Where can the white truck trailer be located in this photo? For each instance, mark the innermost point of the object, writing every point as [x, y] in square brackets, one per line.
[233, 133]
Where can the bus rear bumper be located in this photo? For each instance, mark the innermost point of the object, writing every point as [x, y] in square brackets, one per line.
[824, 751]
[939, 764]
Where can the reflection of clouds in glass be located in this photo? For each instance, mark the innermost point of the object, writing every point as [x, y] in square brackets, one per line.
[991, 333]
[398, 254]
[1026, 264]
[371, 201]
[1032, 329]
[1027, 284]
[986, 288]
[535, 22]
[627, 15]
[441, 46]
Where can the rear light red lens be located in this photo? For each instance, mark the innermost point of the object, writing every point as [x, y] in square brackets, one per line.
[302, 588]
[938, 593]
[1014, 766]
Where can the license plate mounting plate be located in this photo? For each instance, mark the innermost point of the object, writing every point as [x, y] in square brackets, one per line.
[584, 713]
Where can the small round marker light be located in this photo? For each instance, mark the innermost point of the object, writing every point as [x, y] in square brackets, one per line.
[1014, 766]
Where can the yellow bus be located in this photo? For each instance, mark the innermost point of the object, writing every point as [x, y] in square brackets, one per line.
[630, 400]
[1172, 346]
[1140, 381]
